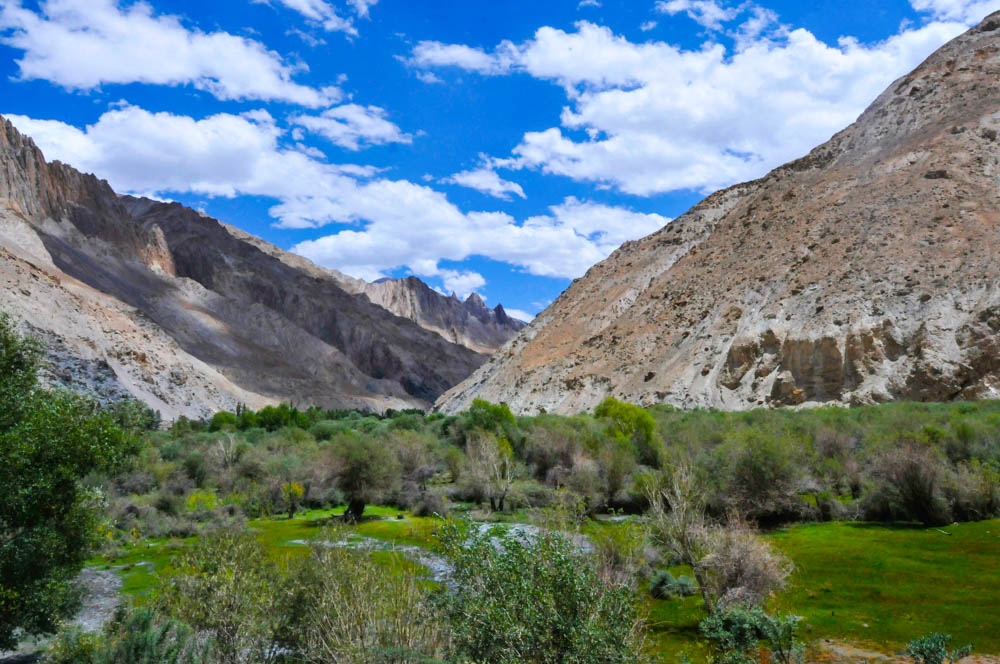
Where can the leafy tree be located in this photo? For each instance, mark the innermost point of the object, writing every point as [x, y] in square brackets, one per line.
[631, 423]
[367, 472]
[48, 442]
[291, 493]
[534, 599]
[223, 420]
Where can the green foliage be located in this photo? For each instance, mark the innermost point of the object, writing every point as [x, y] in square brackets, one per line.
[634, 424]
[933, 649]
[664, 585]
[223, 420]
[739, 636]
[227, 586]
[49, 441]
[367, 472]
[139, 636]
[535, 599]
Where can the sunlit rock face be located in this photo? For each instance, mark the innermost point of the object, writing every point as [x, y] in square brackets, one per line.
[866, 271]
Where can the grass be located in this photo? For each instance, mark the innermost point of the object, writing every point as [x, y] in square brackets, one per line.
[875, 585]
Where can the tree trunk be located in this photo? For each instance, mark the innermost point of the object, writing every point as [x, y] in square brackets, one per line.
[493, 504]
[355, 509]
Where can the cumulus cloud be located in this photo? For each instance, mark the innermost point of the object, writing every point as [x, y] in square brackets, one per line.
[964, 11]
[389, 224]
[707, 13]
[84, 44]
[361, 7]
[486, 181]
[657, 118]
[588, 3]
[437, 54]
[351, 126]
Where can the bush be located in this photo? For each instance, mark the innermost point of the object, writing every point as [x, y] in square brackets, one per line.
[540, 595]
[664, 585]
[343, 608]
[909, 487]
[739, 636]
[933, 649]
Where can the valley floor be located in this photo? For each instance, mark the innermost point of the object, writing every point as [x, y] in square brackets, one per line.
[863, 590]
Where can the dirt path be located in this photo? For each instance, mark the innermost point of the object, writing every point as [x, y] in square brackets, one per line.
[839, 652]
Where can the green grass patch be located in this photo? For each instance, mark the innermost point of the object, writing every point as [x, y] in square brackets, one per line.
[875, 585]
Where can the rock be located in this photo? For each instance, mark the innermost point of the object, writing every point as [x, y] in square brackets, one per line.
[863, 272]
[156, 300]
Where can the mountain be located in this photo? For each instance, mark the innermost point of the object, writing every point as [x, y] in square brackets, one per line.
[134, 296]
[469, 323]
[864, 272]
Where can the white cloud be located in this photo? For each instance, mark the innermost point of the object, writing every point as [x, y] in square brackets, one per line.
[84, 44]
[657, 118]
[460, 282]
[429, 77]
[520, 315]
[417, 227]
[324, 14]
[487, 181]
[351, 126]
[436, 54]
[707, 13]
[648, 25]
[588, 3]
[361, 7]
[392, 223]
[964, 11]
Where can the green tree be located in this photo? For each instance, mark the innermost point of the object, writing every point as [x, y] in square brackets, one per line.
[631, 423]
[534, 599]
[933, 649]
[48, 442]
[367, 472]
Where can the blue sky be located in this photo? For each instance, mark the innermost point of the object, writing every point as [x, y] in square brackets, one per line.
[500, 147]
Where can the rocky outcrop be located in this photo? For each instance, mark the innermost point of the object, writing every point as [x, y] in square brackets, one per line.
[157, 300]
[866, 271]
[469, 323]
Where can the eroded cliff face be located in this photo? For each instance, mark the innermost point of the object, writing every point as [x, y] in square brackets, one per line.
[866, 271]
[469, 323]
[157, 300]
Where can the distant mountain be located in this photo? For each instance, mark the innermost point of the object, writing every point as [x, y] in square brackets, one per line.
[469, 323]
[866, 271]
[133, 296]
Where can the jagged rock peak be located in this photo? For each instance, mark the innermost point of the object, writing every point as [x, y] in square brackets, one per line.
[864, 272]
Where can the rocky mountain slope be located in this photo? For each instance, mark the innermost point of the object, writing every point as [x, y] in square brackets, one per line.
[866, 271]
[159, 301]
[469, 323]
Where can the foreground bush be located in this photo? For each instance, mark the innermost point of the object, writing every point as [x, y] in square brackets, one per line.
[933, 649]
[345, 608]
[537, 599]
[139, 636]
[745, 635]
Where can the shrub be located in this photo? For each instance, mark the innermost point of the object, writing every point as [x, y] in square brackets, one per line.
[909, 487]
[664, 585]
[343, 608]
[933, 649]
[739, 636]
[228, 588]
[540, 595]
